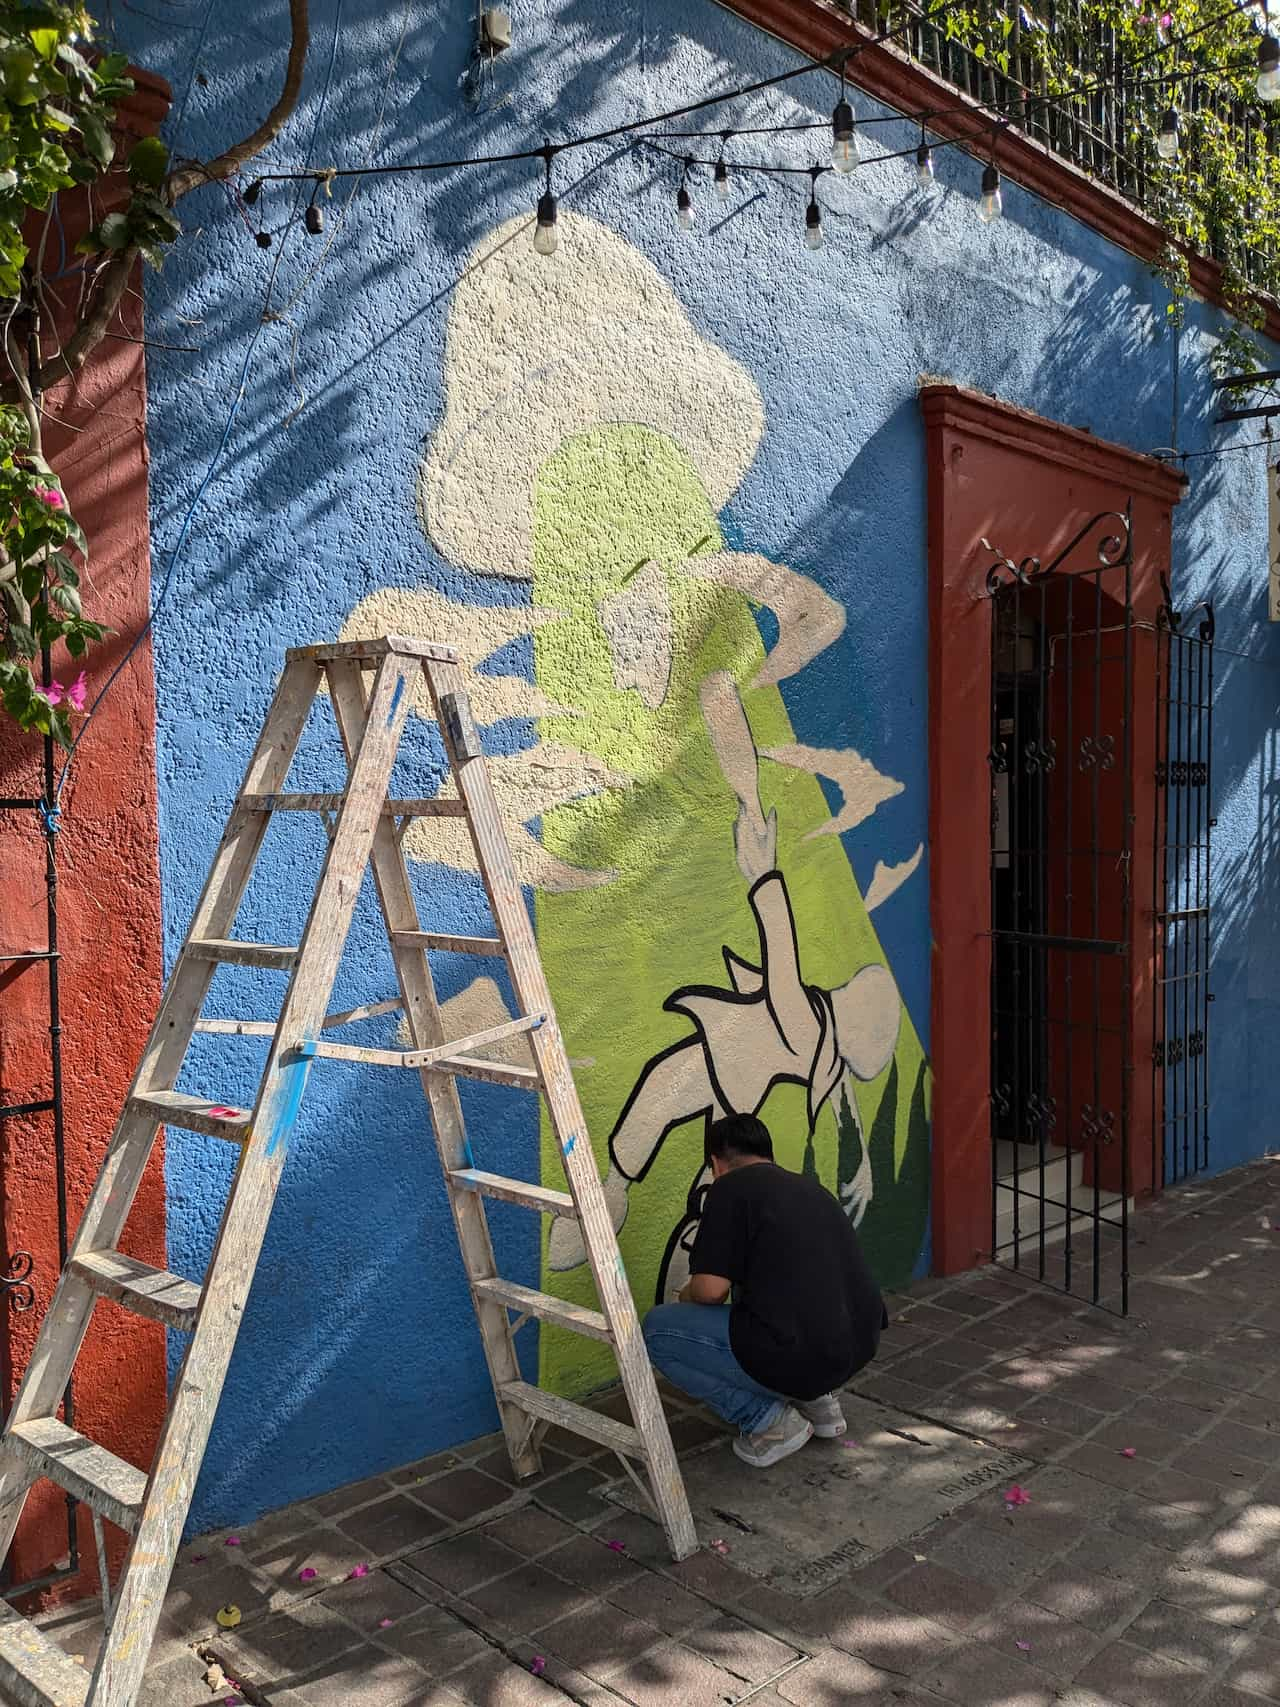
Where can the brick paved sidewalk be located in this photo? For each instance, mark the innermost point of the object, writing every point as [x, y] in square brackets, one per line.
[1150, 1580]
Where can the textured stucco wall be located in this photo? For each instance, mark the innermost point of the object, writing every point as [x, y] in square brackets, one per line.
[668, 493]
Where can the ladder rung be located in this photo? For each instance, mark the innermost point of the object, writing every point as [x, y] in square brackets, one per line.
[111, 1487]
[519, 1191]
[449, 944]
[379, 648]
[145, 1290]
[546, 1308]
[268, 1027]
[229, 953]
[618, 1437]
[176, 1108]
[34, 1672]
[492, 1072]
[448, 808]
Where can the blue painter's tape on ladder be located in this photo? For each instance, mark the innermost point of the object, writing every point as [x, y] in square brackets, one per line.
[295, 1070]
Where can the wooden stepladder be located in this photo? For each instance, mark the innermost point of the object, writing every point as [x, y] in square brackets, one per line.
[365, 830]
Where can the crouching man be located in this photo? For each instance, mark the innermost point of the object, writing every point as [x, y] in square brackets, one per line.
[780, 1308]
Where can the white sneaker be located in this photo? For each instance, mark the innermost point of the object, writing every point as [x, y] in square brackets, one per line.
[825, 1415]
[774, 1443]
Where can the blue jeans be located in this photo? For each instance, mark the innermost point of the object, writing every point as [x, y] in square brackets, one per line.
[689, 1344]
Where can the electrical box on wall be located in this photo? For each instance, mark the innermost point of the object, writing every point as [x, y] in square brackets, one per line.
[495, 29]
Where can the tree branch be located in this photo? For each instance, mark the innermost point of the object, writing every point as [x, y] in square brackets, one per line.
[112, 280]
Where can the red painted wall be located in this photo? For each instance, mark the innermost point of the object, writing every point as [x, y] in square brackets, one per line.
[1027, 485]
[109, 920]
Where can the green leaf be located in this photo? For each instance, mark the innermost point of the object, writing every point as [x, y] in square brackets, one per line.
[112, 234]
[8, 181]
[97, 140]
[45, 43]
[149, 161]
[76, 645]
[67, 599]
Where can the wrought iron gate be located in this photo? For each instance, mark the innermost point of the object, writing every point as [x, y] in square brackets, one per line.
[1184, 778]
[1061, 896]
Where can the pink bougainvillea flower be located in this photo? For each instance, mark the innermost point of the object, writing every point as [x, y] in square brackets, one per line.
[537, 1665]
[307, 1574]
[77, 691]
[616, 1546]
[357, 1571]
[1166, 20]
[1017, 1495]
[1129, 1452]
[54, 692]
[232, 1541]
[220, 1111]
[50, 495]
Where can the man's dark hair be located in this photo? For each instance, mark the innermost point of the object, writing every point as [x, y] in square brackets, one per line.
[738, 1136]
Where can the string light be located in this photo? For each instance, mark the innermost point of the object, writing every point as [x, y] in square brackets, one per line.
[992, 204]
[924, 164]
[722, 171]
[844, 132]
[813, 213]
[546, 236]
[1167, 138]
[313, 219]
[685, 216]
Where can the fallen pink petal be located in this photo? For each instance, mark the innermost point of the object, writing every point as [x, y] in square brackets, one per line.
[537, 1665]
[1017, 1495]
[220, 1111]
[197, 1558]
[1129, 1452]
[307, 1574]
[616, 1546]
[385, 1623]
[849, 1445]
[720, 1547]
[358, 1571]
[232, 1541]
[1023, 1647]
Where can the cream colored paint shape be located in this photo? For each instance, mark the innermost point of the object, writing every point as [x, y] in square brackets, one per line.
[637, 623]
[862, 786]
[808, 619]
[476, 631]
[527, 785]
[886, 880]
[539, 351]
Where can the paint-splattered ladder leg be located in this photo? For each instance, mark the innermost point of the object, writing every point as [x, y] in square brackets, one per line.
[199, 1384]
[493, 855]
[67, 1318]
[422, 1011]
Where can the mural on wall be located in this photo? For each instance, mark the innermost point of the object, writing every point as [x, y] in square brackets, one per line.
[706, 940]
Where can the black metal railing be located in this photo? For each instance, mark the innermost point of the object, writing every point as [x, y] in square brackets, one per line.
[1110, 132]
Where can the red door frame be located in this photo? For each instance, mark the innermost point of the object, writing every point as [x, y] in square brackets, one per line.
[1027, 485]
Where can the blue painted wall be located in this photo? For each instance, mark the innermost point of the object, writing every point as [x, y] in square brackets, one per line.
[359, 1349]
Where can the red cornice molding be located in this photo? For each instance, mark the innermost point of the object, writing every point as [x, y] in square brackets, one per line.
[816, 28]
[1003, 423]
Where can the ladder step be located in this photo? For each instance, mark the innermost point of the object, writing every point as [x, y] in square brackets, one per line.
[229, 953]
[176, 1108]
[114, 1489]
[549, 1407]
[34, 1672]
[449, 944]
[145, 1290]
[424, 808]
[492, 1072]
[539, 1197]
[402, 643]
[546, 1308]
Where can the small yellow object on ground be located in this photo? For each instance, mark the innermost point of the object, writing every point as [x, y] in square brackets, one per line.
[228, 1616]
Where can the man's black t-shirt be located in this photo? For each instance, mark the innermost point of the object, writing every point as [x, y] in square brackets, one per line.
[806, 1314]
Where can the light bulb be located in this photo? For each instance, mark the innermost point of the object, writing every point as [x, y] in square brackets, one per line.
[546, 235]
[992, 204]
[722, 180]
[1269, 68]
[813, 226]
[1167, 138]
[844, 138]
[314, 219]
[684, 210]
[924, 166]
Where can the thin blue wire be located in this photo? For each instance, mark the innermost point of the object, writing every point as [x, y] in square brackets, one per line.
[185, 530]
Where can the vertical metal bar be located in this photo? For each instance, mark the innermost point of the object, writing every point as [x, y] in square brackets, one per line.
[1126, 920]
[1186, 891]
[1160, 905]
[997, 943]
[1038, 998]
[1207, 712]
[1068, 1077]
[1096, 845]
[1016, 775]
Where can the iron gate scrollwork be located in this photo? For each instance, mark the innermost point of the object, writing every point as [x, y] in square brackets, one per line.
[1062, 897]
[1184, 777]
